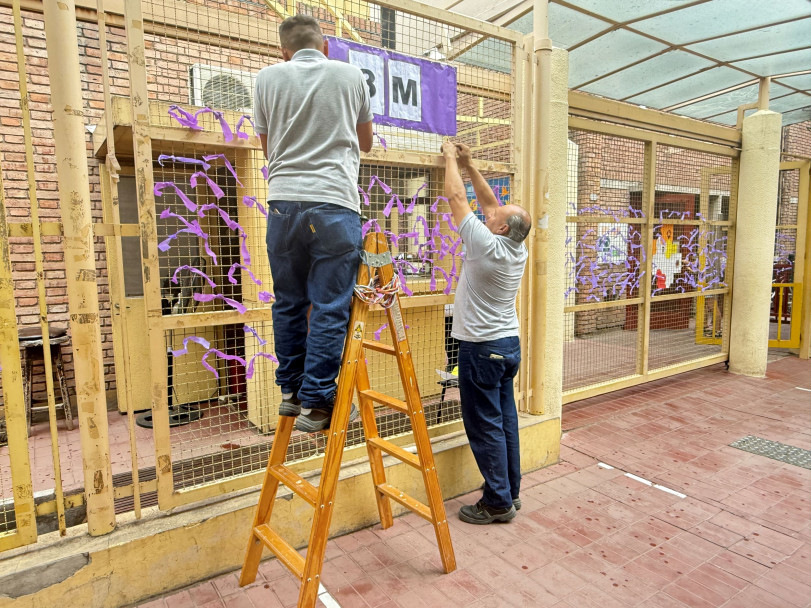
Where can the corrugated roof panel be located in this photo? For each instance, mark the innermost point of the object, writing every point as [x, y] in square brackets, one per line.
[626, 10]
[691, 87]
[653, 72]
[721, 17]
[568, 27]
[768, 40]
[733, 99]
[794, 61]
[608, 53]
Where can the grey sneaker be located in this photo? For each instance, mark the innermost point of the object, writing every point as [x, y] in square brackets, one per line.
[290, 406]
[481, 514]
[318, 420]
[516, 500]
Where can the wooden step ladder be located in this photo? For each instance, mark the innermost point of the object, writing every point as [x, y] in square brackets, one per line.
[377, 262]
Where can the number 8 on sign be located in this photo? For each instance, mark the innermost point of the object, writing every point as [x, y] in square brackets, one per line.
[373, 70]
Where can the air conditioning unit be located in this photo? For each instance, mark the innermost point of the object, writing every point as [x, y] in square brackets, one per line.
[221, 88]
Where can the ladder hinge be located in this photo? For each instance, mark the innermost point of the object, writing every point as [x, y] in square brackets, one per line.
[375, 260]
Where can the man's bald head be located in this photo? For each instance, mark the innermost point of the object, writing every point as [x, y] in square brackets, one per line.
[518, 221]
[300, 32]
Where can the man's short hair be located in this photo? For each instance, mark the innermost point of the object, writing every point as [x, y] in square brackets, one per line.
[519, 226]
[300, 32]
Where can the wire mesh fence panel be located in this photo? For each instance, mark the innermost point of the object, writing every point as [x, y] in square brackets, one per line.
[202, 62]
[605, 257]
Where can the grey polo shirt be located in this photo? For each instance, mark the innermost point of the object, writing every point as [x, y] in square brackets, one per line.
[484, 308]
[309, 108]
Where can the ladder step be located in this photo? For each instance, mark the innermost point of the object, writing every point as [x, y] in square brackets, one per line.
[296, 483]
[379, 347]
[393, 403]
[406, 500]
[286, 554]
[396, 451]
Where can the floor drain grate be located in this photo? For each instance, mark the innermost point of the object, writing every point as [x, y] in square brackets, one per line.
[774, 450]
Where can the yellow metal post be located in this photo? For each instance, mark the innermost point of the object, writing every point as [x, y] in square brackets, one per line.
[13, 402]
[540, 165]
[38, 257]
[80, 263]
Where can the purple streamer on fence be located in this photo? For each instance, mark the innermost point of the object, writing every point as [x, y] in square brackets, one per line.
[411, 205]
[382, 142]
[194, 270]
[227, 163]
[185, 118]
[215, 188]
[249, 369]
[192, 227]
[265, 173]
[208, 297]
[185, 350]
[250, 201]
[220, 355]
[233, 225]
[183, 159]
[157, 190]
[250, 330]
[266, 296]
[240, 122]
[237, 266]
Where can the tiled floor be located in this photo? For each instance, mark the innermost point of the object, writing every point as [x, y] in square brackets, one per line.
[590, 536]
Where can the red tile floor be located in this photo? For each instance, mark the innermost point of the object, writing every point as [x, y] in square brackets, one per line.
[587, 535]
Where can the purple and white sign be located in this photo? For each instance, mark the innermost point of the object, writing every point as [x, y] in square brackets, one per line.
[406, 91]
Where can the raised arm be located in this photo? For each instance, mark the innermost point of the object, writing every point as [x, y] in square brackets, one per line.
[484, 194]
[454, 186]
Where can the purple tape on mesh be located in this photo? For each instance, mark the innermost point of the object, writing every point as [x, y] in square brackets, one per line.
[265, 173]
[436, 203]
[250, 201]
[382, 142]
[413, 202]
[183, 159]
[215, 188]
[185, 350]
[227, 164]
[157, 190]
[192, 227]
[365, 196]
[249, 369]
[238, 266]
[250, 330]
[380, 331]
[242, 121]
[220, 355]
[208, 297]
[383, 185]
[369, 225]
[387, 209]
[184, 118]
[195, 271]
[266, 296]
[233, 225]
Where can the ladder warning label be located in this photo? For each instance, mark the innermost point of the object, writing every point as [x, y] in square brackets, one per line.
[357, 333]
[397, 317]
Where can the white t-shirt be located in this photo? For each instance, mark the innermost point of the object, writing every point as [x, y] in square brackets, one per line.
[309, 107]
[484, 308]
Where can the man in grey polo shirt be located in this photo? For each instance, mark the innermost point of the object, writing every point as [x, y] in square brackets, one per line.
[313, 117]
[486, 325]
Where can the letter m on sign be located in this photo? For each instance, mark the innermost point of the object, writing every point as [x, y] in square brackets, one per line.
[408, 93]
[405, 90]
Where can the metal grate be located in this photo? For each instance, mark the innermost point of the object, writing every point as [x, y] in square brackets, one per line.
[774, 450]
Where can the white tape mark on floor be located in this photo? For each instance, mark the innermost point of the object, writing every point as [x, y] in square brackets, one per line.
[603, 465]
[639, 479]
[800, 388]
[669, 491]
[326, 598]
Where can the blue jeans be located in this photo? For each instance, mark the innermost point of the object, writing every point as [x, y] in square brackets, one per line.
[486, 372]
[314, 252]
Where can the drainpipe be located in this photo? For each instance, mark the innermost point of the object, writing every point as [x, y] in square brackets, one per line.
[80, 264]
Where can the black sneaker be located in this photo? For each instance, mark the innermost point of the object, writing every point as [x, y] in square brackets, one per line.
[516, 500]
[318, 420]
[480, 513]
[290, 406]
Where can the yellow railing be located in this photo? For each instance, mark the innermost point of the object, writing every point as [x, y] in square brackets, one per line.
[792, 308]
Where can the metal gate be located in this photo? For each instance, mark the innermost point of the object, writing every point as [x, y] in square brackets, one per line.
[788, 289]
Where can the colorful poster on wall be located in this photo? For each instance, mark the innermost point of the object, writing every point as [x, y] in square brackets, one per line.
[405, 91]
[612, 243]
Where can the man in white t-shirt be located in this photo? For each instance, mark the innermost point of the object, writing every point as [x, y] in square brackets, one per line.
[313, 117]
[486, 325]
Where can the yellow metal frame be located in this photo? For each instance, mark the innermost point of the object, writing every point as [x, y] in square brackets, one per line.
[799, 315]
[608, 117]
